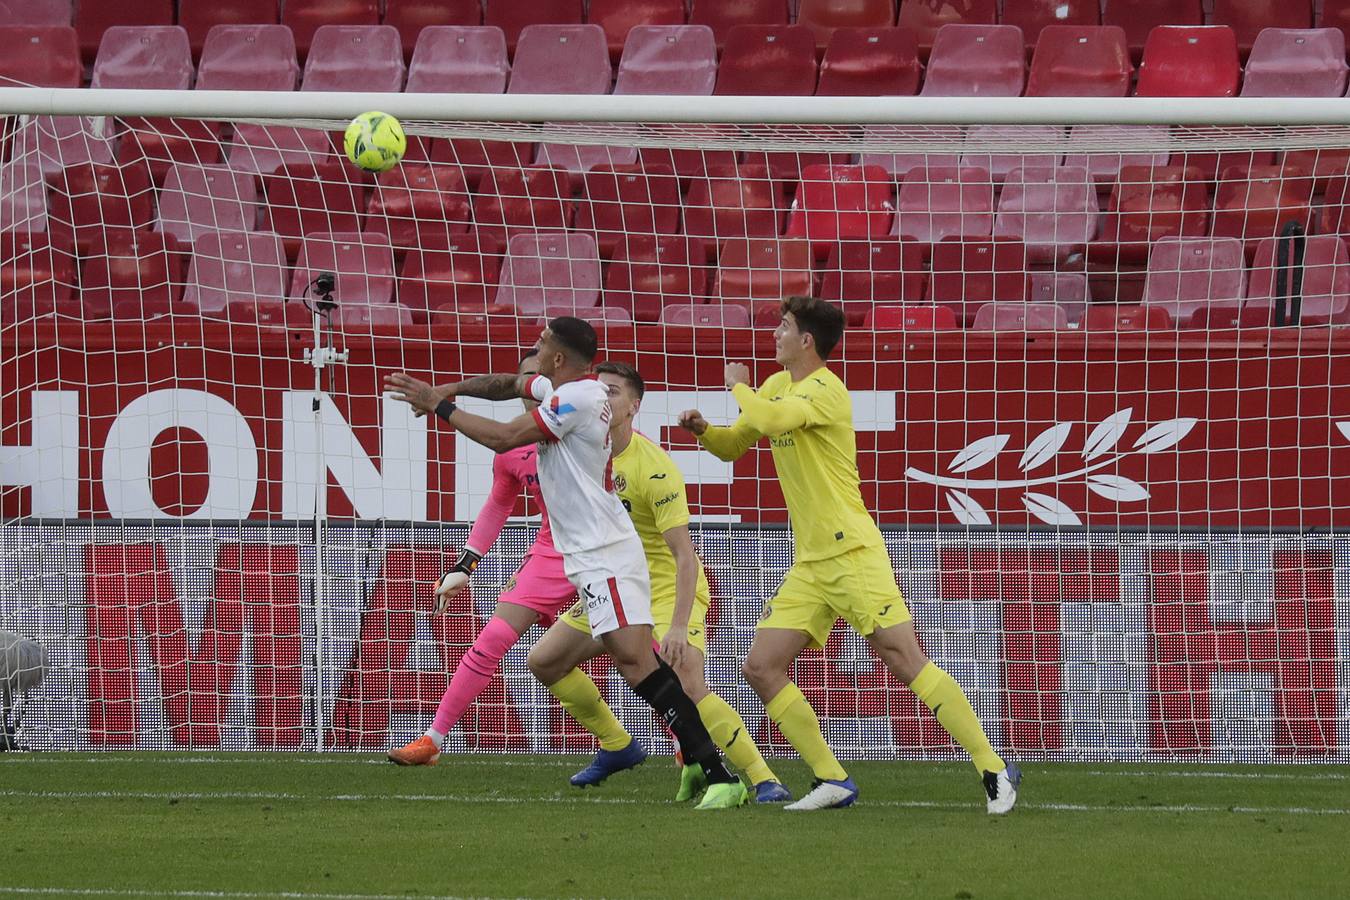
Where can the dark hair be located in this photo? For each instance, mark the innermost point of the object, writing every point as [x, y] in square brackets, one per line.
[528, 355]
[626, 372]
[576, 336]
[819, 318]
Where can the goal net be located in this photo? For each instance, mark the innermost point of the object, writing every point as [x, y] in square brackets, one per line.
[1097, 371]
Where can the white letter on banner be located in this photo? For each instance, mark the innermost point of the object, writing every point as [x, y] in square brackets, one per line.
[231, 454]
[395, 490]
[51, 464]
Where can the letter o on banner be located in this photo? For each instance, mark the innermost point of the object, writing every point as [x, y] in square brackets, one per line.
[231, 454]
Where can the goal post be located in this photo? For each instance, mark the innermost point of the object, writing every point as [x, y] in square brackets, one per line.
[1095, 352]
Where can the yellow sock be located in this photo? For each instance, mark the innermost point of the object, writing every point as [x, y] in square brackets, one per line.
[729, 732]
[940, 692]
[583, 702]
[798, 722]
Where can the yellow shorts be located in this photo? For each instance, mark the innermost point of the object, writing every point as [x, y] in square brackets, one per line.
[858, 586]
[661, 613]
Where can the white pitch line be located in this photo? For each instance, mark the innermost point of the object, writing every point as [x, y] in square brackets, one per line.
[626, 801]
[246, 758]
[1164, 773]
[143, 892]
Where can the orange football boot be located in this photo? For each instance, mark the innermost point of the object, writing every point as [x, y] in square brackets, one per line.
[421, 752]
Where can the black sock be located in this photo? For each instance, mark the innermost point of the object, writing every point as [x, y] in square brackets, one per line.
[663, 693]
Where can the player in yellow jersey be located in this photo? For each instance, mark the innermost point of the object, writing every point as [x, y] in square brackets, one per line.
[841, 568]
[652, 490]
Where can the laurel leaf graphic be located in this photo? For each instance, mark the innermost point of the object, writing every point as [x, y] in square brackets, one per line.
[1044, 446]
[977, 453]
[1049, 510]
[1107, 434]
[966, 509]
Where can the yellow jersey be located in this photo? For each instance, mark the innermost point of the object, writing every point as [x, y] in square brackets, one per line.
[652, 490]
[809, 424]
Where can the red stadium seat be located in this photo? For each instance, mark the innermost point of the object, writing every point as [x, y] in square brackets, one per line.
[597, 316]
[1139, 17]
[668, 59]
[1034, 15]
[976, 61]
[619, 17]
[40, 12]
[768, 59]
[911, 318]
[649, 270]
[510, 201]
[1334, 14]
[824, 17]
[1334, 215]
[263, 149]
[1020, 317]
[1248, 18]
[1326, 280]
[198, 199]
[89, 199]
[461, 275]
[341, 56]
[924, 18]
[513, 16]
[23, 195]
[365, 318]
[93, 19]
[1127, 318]
[734, 202]
[1288, 62]
[134, 274]
[1084, 148]
[1051, 210]
[198, 17]
[1080, 61]
[870, 62]
[540, 269]
[1071, 291]
[40, 56]
[412, 17]
[151, 57]
[717, 315]
[840, 202]
[723, 15]
[61, 141]
[999, 164]
[1187, 274]
[419, 205]
[1189, 61]
[363, 264]
[967, 274]
[230, 267]
[307, 198]
[36, 278]
[248, 58]
[1149, 203]
[861, 274]
[899, 164]
[626, 200]
[763, 268]
[1258, 203]
[945, 201]
[306, 17]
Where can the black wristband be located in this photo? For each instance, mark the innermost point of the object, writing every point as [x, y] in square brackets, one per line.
[445, 409]
[467, 562]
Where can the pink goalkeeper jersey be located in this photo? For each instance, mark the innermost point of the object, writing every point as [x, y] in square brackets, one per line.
[512, 472]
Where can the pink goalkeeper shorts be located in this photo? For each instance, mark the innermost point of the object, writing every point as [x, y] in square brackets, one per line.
[541, 585]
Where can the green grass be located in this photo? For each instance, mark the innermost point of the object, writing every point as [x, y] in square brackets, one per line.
[511, 827]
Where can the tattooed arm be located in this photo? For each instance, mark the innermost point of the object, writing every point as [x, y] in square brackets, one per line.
[423, 397]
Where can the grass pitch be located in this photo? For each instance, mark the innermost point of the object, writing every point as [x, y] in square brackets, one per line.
[307, 826]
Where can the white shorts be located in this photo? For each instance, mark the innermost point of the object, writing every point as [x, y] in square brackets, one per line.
[614, 584]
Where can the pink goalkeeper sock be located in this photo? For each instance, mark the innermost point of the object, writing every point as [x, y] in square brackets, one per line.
[473, 674]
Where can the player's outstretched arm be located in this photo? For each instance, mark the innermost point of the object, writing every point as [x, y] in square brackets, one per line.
[424, 397]
[726, 443]
[765, 416]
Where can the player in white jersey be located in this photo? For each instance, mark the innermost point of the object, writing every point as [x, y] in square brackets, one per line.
[602, 555]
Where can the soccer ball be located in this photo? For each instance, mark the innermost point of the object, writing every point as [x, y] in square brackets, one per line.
[375, 142]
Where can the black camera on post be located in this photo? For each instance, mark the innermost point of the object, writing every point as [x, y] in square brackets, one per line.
[323, 286]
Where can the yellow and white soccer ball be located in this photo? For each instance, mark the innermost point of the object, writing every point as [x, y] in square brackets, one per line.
[375, 141]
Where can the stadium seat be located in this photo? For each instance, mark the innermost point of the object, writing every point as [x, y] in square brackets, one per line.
[1069, 290]
[248, 58]
[89, 199]
[840, 202]
[133, 274]
[598, 316]
[1080, 61]
[198, 199]
[717, 315]
[151, 57]
[763, 268]
[307, 198]
[967, 274]
[999, 164]
[1288, 62]
[341, 56]
[768, 59]
[861, 274]
[911, 318]
[1333, 14]
[1085, 143]
[412, 17]
[1189, 61]
[1020, 317]
[198, 17]
[36, 278]
[948, 137]
[945, 201]
[1187, 274]
[235, 267]
[1051, 210]
[1326, 279]
[925, 18]
[540, 269]
[976, 61]
[824, 17]
[419, 205]
[1334, 214]
[1149, 203]
[650, 269]
[306, 17]
[92, 19]
[263, 149]
[870, 62]
[1032, 16]
[39, 12]
[1248, 18]
[736, 201]
[363, 264]
[668, 59]
[513, 16]
[361, 318]
[1135, 317]
[1258, 203]
[619, 17]
[23, 195]
[628, 200]
[40, 56]
[723, 15]
[462, 274]
[61, 141]
[509, 201]
[1140, 17]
